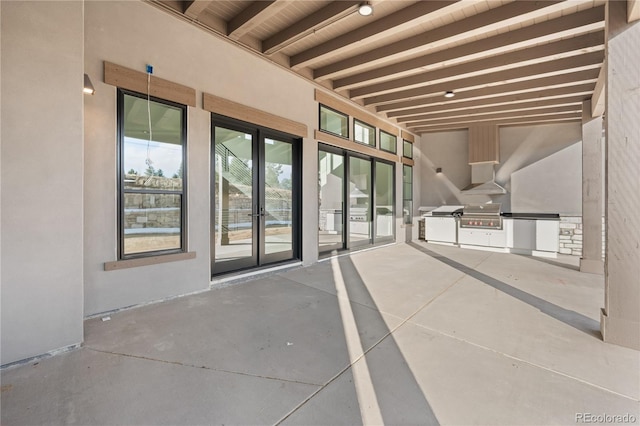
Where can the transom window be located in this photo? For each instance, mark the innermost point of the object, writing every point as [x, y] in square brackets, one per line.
[152, 171]
[334, 122]
[407, 149]
[364, 133]
[388, 142]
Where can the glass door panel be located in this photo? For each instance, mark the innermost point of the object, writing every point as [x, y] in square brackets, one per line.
[359, 201]
[235, 208]
[278, 201]
[384, 201]
[331, 205]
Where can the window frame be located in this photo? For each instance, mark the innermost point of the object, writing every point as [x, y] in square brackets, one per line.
[404, 153]
[395, 151]
[320, 107]
[363, 124]
[408, 220]
[120, 176]
[387, 238]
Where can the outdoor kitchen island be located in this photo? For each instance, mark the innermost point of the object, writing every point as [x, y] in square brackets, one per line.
[484, 227]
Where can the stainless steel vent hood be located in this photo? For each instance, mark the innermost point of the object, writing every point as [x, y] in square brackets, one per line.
[483, 181]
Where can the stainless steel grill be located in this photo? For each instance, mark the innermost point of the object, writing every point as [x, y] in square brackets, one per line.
[481, 216]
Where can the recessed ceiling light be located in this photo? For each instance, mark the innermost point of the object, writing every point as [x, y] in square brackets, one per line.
[365, 9]
[449, 94]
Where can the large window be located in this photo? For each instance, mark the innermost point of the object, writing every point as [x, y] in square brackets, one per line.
[334, 122]
[388, 142]
[363, 133]
[152, 172]
[407, 194]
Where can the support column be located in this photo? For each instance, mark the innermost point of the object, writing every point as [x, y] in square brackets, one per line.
[620, 317]
[592, 204]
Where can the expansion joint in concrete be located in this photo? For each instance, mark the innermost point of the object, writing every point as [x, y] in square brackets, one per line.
[203, 367]
[532, 364]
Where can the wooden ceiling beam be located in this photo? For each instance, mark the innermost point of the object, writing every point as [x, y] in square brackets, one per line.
[253, 15]
[529, 71]
[528, 121]
[525, 89]
[333, 12]
[193, 8]
[516, 59]
[545, 117]
[472, 117]
[575, 101]
[491, 20]
[545, 93]
[376, 30]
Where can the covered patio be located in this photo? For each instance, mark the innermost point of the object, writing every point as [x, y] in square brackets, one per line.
[410, 333]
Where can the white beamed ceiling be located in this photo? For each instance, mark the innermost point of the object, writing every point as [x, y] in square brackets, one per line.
[508, 62]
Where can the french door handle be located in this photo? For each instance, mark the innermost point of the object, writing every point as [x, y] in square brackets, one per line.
[262, 213]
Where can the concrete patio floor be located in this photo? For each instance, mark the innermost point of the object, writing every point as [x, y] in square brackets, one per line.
[403, 334]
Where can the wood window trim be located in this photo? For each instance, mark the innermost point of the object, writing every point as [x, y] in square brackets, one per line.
[354, 146]
[136, 81]
[408, 161]
[149, 260]
[408, 136]
[251, 115]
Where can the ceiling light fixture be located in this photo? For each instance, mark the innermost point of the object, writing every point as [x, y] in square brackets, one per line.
[365, 9]
[88, 87]
[449, 94]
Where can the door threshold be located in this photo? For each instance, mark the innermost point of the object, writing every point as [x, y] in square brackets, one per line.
[247, 275]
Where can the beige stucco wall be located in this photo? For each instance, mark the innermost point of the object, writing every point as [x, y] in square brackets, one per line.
[42, 77]
[58, 159]
[134, 34]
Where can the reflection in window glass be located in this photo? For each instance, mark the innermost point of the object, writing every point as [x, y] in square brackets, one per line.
[407, 149]
[359, 201]
[331, 199]
[407, 194]
[278, 164]
[334, 122]
[152, 153]
[233, 192]
[151, 222]
[384, 200]
[364, 133]
[388, 142]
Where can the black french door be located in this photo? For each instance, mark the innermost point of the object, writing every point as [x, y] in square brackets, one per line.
[255, 196]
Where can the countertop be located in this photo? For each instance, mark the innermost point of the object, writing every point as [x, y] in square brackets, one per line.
[537, 216]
